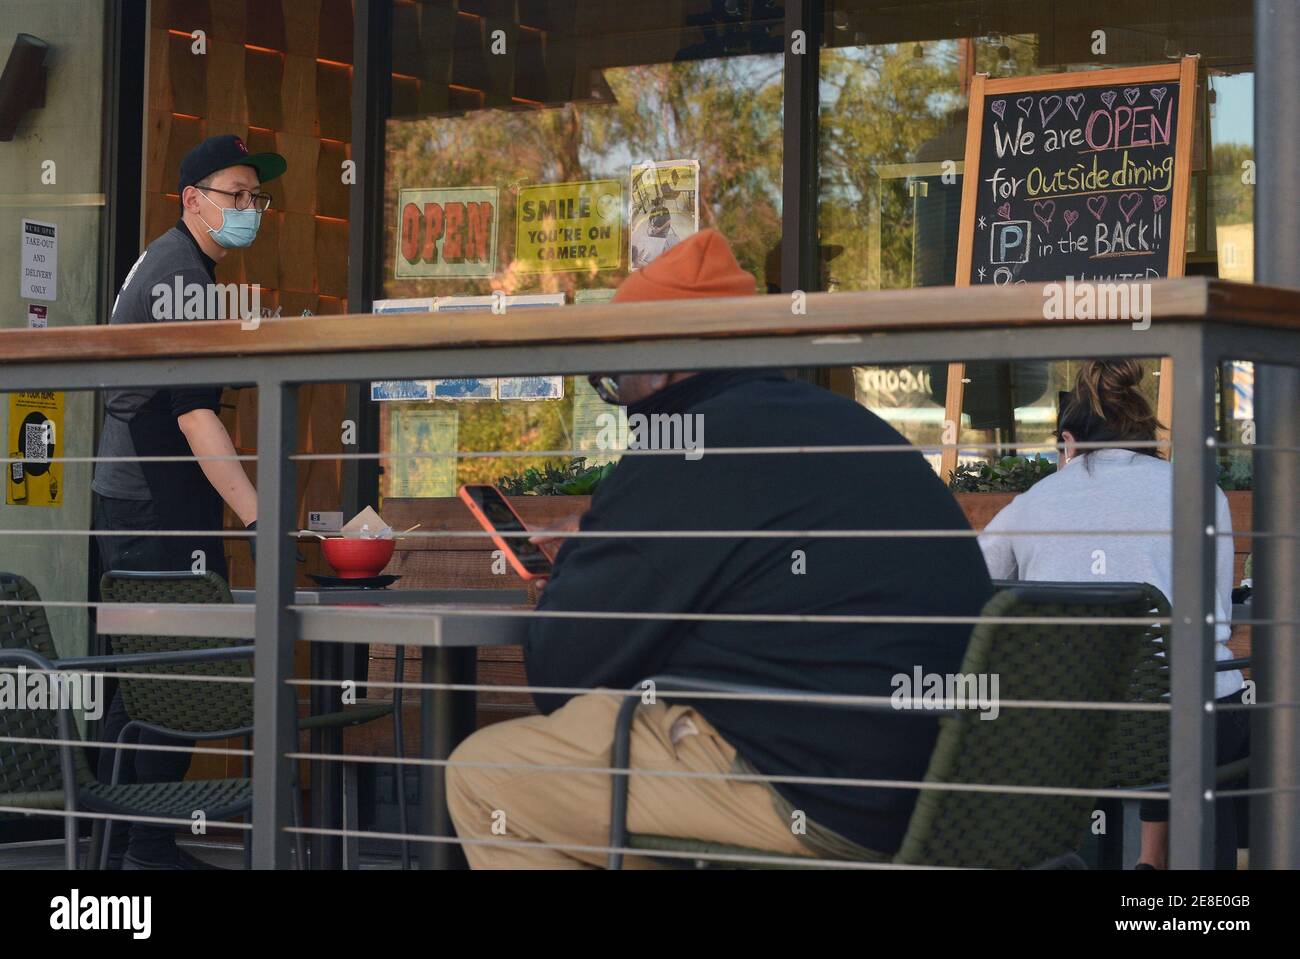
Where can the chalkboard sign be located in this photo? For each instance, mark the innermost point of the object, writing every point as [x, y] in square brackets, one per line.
[1081, 175]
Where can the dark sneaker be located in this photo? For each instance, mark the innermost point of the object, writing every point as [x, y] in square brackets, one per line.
[179, 860]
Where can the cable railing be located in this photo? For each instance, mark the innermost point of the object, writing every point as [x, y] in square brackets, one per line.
[1199, 325]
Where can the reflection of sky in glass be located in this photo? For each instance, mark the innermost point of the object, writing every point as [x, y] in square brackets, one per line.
[1234, 110]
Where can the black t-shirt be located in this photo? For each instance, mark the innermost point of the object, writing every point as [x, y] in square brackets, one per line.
[852, 491]
[141, 421]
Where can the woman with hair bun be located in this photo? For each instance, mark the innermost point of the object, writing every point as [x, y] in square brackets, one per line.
[1111, 489]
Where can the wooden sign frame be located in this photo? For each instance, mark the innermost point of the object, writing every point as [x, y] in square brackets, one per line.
[1184, 74]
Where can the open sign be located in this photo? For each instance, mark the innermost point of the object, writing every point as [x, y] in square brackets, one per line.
[447, 232]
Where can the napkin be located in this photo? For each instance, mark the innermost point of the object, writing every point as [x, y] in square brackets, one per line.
[367, 525]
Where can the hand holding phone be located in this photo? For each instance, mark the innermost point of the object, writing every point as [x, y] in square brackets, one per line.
[550, 540]
[495, 515]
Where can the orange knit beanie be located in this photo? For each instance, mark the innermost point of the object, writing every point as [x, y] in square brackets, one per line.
[701, 265]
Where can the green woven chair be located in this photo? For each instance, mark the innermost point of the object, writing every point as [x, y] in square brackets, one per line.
[1023, 747]
[190, 710]
[1139, 755]
[35, 777]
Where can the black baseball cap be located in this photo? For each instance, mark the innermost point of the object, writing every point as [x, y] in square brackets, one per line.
[217, 153]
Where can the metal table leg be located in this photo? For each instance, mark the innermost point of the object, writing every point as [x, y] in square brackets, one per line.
[326, 777]
[446, 718]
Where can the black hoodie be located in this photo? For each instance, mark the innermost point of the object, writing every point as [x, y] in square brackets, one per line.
[868, 491]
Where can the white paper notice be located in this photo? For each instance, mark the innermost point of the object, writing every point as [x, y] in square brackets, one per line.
[37, 316]
[40, 279]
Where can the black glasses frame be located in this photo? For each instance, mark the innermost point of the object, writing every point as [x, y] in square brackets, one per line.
[259, 201]
[606, 387]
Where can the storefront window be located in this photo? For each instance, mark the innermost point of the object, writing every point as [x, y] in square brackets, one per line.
[893, 92]
[537, 157]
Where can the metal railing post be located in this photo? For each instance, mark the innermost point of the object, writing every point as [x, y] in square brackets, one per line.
[274, 701]
[1275, 733]
[1191, 723]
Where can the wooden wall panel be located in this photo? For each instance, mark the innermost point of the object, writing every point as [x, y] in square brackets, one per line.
[297, 192]
[335, 38]
[264, 79]
[184, 15]
[264, 26]
[302, 29]
[229, 23]
[227, 100]
[332, 196]
[332, 256]
[298, 96]
[334, 86]
[188, 73]
[261, 262]
[297, 250]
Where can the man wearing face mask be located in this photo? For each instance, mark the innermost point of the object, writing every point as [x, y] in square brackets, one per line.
[221, 208]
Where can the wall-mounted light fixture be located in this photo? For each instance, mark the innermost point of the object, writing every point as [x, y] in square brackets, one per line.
[22, 85]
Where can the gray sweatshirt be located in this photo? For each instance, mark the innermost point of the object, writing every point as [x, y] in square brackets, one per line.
[1107, 490]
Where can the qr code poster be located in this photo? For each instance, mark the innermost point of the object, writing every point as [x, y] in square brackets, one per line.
[665, 208]
[35, 437]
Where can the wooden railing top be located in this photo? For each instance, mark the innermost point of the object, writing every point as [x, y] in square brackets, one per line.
[931, 308]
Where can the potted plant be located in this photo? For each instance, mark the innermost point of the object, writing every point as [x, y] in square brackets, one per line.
[983, 489]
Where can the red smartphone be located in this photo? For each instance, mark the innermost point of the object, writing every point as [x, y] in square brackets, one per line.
[495, 514]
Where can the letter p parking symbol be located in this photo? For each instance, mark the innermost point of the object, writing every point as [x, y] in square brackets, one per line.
[1009, 242]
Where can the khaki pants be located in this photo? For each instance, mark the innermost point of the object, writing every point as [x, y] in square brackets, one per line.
[538, 806]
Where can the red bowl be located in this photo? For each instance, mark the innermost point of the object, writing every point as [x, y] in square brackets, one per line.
[358, 558]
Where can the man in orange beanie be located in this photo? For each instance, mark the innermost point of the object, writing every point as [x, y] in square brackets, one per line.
[702, 266]
[691, 751]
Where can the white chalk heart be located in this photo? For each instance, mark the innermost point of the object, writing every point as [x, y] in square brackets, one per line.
[1128, 204]
[1048, 106]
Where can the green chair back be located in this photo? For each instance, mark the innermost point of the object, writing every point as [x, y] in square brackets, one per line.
[30, 774]
[182, 705]
[1030, 746]
[1140, 755]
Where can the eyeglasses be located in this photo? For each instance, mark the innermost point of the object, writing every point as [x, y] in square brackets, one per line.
[244, 199]
[606, 387]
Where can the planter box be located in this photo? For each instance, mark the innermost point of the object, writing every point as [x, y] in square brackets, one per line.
[982, 507]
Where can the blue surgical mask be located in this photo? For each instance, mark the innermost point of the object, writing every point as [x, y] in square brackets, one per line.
[238, 227]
